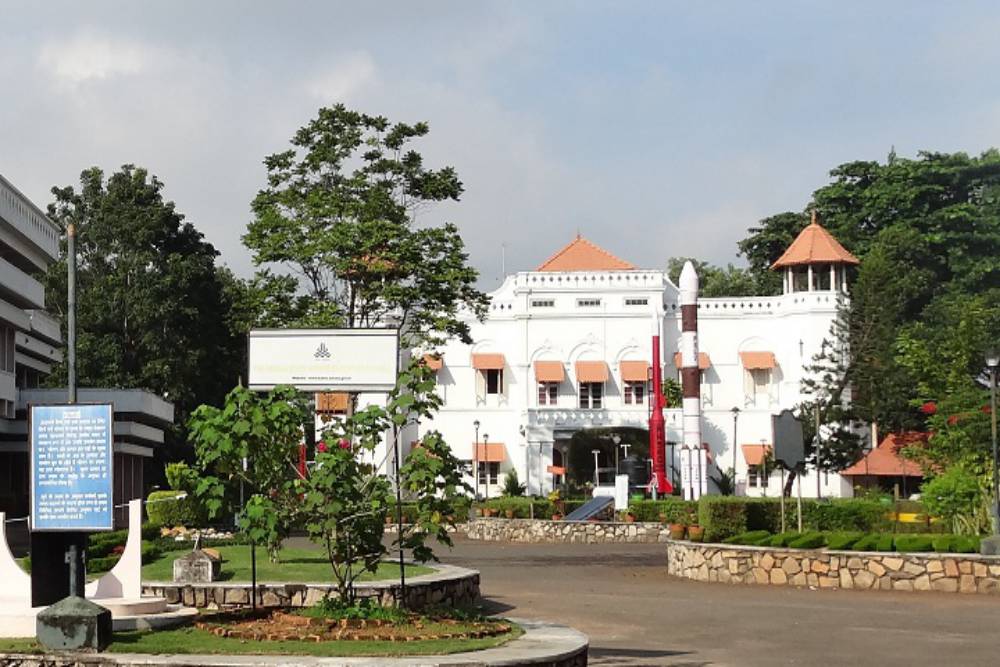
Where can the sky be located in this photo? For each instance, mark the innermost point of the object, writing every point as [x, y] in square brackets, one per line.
[655, 129]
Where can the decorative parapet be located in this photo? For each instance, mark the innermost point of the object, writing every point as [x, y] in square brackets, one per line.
[583, 532]
[863, 570]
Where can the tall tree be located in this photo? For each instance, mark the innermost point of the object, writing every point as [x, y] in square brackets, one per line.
[339, 210]
[150, 306]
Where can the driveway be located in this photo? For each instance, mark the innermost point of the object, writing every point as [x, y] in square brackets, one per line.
[621, 596]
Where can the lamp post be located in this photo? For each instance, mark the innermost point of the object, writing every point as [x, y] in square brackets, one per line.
[736, 416]
[475, 457]
[617, 439]
[992, 361]
[486, 439]
[597, 480]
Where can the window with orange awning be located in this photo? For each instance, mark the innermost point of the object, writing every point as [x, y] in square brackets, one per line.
[758, 360]
[549, 371]
[591, 371]
[488, 361]
[634, 371]
[490, 452]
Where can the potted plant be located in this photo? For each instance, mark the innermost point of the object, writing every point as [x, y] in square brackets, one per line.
[696, 533]
[677, 530]
[629, 517]
[557, 517]
[509, 513]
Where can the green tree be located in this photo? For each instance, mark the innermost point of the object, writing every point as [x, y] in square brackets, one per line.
[151, 312]
[339, 209]
[718, 281]
[264, 431]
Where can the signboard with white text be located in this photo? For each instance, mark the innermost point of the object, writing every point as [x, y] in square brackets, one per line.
[323, 359]
[72, 467]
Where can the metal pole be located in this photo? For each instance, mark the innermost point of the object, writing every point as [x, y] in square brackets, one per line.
[781, 496]
[819, 487]
[475, 459]
[996, 471]
[736, 416]
[71, 313]
[798, 486]
[399, 520]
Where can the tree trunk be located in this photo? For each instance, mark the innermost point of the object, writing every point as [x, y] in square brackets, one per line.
[787, 491]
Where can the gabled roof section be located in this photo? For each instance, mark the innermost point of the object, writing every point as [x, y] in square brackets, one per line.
[582, 255]
[815, 245]
[886, 460]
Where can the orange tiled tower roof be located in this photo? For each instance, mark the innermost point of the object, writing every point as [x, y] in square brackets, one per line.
[815, 245]
[582, 255]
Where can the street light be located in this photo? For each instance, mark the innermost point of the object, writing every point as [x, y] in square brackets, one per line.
[736, 416]
[475, 457]
[617, 439]
[486, 439]
[597, 480]
[992, 361]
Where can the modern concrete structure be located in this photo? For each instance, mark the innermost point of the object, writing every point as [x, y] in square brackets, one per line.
[567, 347]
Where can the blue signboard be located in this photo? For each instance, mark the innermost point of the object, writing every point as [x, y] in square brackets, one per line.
[72, 467]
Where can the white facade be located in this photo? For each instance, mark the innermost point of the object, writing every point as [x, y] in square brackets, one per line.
[609, 315]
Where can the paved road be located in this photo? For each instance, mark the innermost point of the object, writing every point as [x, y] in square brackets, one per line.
[636, 615]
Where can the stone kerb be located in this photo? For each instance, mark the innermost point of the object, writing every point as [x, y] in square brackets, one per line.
[584, 532]
[448, 585]
[860, 570]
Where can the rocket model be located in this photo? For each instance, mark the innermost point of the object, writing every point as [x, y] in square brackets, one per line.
[690, 374]
[657, 427]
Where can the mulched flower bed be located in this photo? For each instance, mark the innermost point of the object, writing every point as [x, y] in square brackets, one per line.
[278, 625]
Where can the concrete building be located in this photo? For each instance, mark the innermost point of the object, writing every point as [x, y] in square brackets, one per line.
[567, 348]
[31, 343]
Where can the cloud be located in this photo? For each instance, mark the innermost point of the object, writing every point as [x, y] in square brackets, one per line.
[351, 74]
[87, 57]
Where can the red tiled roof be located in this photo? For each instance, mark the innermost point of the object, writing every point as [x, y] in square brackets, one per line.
[582, 255]
[885, 460]
[815, 245]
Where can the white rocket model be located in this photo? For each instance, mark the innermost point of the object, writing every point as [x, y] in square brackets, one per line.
[693, 456]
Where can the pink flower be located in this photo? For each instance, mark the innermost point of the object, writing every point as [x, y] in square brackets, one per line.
[320, 446]
[344, 444]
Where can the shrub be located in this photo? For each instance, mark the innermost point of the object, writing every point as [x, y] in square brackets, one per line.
[884, 543]
[521, 507]
[847, 514]
[944, 544]
[164, 509]
[674, 510]
[784, 539]
[842, 541]
[752, 537]
[866, 543]
[911, 543]
[765, 514]
[101, 565]
[722, 517]
[512, 486]
[181, 476]
[808, 541]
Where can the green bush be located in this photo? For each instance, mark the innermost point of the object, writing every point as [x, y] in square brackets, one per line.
[752, 537]
[808, 541]
[765, 514]
[910, 543]
[884, 543]
[722, 517]
[101, 565]
[164, 509]
[846, 514]
[674, 510]
[784, 539]
[868, 542]
[842, 541]
[945, 544]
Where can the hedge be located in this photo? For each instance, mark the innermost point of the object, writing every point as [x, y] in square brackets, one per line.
[722, 517]
[856, 541]
[726, 516]
[522, 507]
[673, 510]
[164, 508]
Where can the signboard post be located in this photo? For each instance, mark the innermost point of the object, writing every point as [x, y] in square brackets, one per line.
[72, 467]
[789, 451]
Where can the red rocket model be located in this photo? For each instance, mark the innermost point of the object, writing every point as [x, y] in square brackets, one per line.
[657, 426]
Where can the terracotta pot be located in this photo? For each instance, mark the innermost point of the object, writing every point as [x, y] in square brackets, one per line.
[557, 517]
[509, 514]
[388, 520]
[630, 518]
[677, 531]
[488, 511]
[696, 533]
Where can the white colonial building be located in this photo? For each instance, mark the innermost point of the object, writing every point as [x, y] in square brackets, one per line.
[567, 347]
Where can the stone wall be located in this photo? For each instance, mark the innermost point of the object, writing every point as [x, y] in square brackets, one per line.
[449, 585]
[962, 573]
[584, 532]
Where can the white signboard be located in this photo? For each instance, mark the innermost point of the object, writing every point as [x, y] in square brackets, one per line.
[323, 359]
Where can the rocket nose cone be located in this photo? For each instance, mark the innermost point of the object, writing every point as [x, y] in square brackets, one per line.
[689, 278]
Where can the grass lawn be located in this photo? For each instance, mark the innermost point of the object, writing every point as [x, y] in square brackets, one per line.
[298, 565]
[194, 641]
